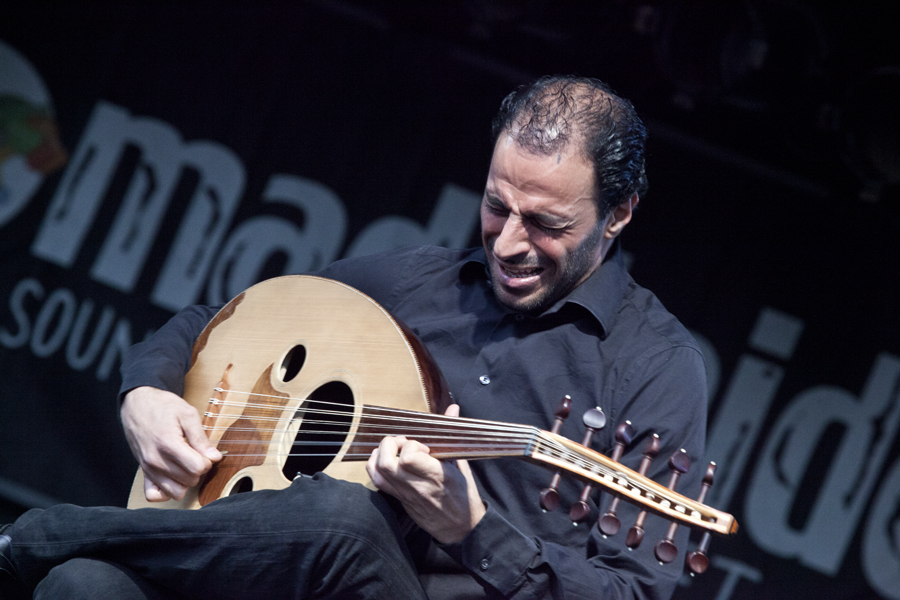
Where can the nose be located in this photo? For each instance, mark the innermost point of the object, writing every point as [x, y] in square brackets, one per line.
[513, 240]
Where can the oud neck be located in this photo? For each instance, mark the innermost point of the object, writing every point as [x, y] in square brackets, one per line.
[457, 437]
[446, 437]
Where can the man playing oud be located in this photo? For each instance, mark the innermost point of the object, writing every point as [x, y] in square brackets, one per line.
[544, 309]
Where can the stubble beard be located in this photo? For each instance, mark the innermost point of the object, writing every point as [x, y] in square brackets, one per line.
[577, 264]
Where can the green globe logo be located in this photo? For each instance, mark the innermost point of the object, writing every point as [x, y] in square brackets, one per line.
[29, 140]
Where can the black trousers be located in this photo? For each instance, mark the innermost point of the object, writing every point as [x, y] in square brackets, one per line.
[318, 538]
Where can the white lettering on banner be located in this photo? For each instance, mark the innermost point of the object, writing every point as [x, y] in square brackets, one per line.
[870, 424]
[212, 205]
[451, 224]
[881, 540]
[18, 298]
[255, 240]
[163, 158]
[734, 431]
[62, 319]
[208, 216]
[162, 161]
[748, 399]
[58, 311]
[736, 570]
[86, 181]
[80, 192]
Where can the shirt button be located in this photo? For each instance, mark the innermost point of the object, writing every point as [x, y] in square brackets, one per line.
[520, 317]
[484, 379]
[484, 564]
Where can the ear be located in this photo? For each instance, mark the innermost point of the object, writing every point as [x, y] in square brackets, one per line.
[620, 217]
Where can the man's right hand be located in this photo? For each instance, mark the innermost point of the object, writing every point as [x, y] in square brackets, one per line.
[167, 438]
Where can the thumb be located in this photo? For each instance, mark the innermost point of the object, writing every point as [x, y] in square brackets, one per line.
[152, 492]
[453, 411]
[196, 437]
[463, 466]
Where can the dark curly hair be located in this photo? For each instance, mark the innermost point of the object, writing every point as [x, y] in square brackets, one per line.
[546, 115]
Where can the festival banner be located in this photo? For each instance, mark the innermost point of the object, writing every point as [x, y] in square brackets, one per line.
[156, 157]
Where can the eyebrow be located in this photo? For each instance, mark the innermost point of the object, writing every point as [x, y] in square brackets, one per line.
[548, 219]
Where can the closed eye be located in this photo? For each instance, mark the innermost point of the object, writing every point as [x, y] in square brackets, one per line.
[544, 228]
[495, 206]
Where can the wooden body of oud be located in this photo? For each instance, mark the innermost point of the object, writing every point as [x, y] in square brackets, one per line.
[341, 335]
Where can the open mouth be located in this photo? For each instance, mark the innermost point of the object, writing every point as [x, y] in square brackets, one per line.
[521, 273]
[520, 280]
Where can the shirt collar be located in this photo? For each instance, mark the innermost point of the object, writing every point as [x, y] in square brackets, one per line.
[474, 267]
[601, 294]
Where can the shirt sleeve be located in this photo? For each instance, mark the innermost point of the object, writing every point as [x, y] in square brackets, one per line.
[665, 388]
[162, 360]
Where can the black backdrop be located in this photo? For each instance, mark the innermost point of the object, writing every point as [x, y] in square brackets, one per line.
[202, 148]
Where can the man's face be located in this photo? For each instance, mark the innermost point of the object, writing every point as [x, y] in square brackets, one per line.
[539, 225]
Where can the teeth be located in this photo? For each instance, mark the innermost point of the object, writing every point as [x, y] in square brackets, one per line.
[521, 274]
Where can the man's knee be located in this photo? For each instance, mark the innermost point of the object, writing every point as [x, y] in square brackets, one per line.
[367, 511]
[91, 579]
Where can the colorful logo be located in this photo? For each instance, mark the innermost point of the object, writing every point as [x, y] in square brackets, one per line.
[29, 139]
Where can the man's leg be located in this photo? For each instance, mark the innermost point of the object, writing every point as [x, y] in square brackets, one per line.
[317, 538]
[92, 579]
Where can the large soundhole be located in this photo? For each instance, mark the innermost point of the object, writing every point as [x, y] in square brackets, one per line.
[325, 419]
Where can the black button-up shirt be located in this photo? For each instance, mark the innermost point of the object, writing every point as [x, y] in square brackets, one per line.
[609, 343]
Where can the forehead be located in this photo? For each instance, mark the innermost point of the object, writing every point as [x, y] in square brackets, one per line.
[517, 174]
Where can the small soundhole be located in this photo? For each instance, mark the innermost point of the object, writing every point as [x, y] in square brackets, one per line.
[292, 363]
[244, 484]
[325, 422]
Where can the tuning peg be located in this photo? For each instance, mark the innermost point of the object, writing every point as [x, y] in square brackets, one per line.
[636, 533]
[697, 562]
[665, 549]
[593, 420]
[609, 523]
[550, 495]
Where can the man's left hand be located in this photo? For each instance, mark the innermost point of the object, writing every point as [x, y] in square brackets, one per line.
[440, 496]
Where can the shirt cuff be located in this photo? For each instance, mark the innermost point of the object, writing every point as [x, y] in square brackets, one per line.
[495, 553]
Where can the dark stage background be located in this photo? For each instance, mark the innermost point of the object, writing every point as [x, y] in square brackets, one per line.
[153, 156]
